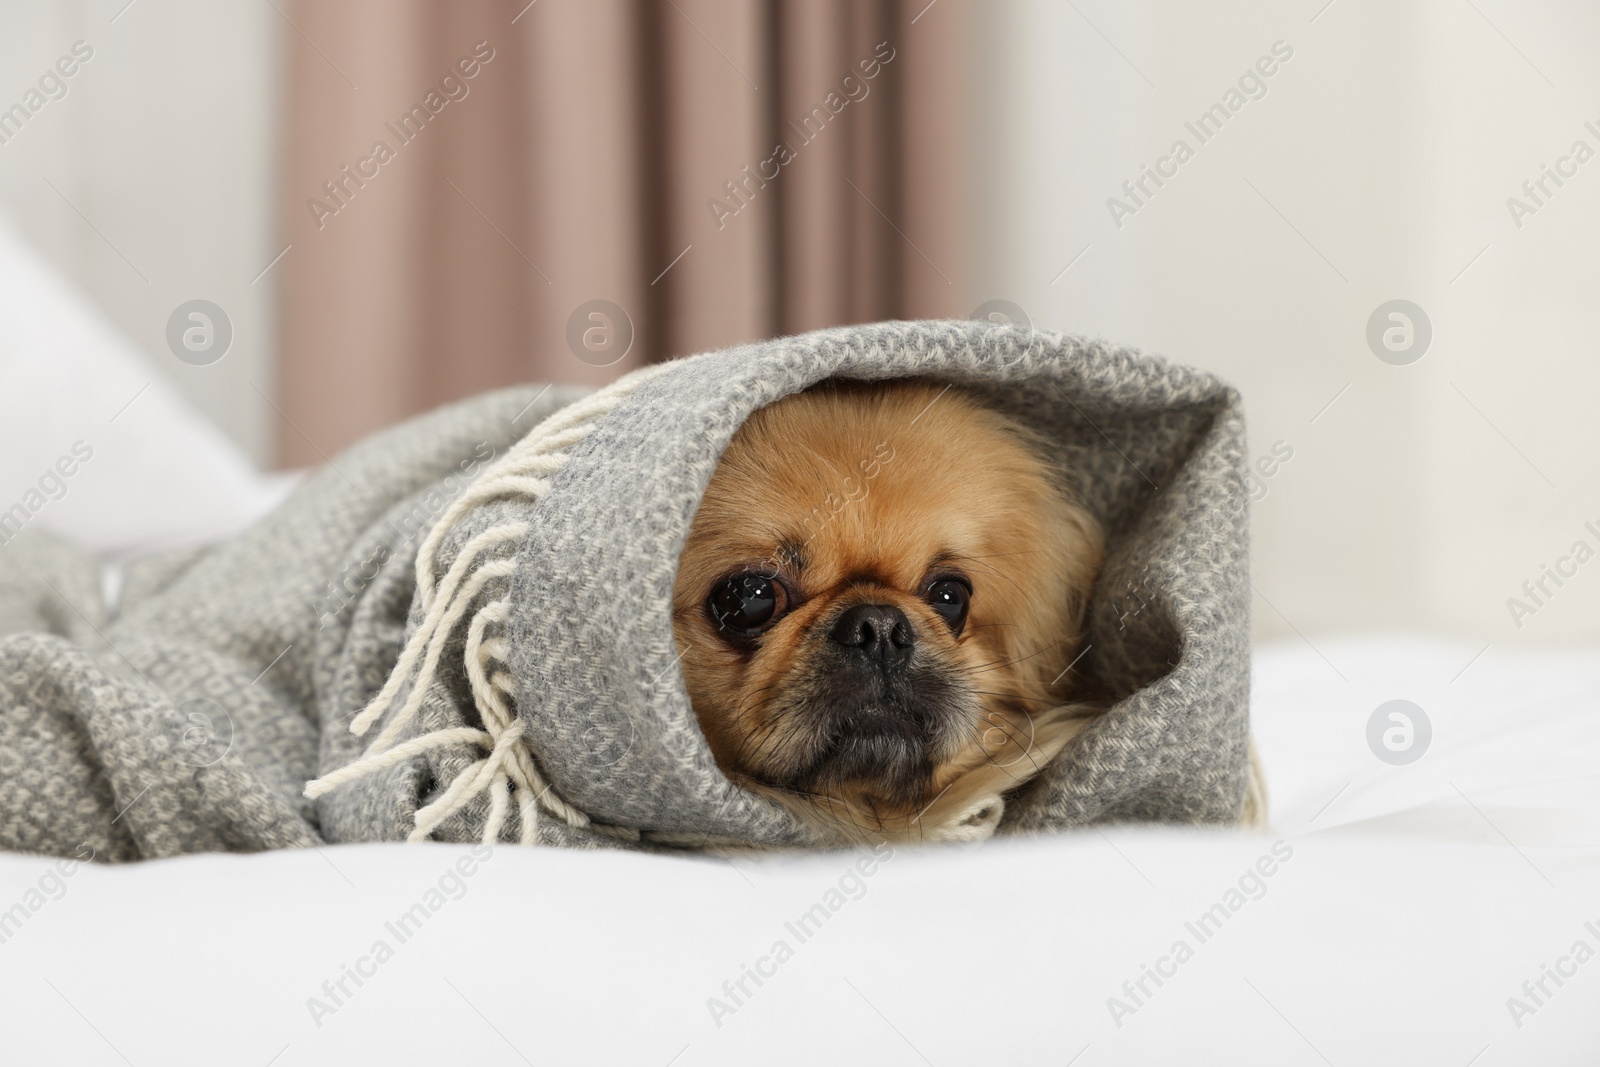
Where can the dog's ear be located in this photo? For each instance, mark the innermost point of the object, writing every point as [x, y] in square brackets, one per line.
[1078, 541]
[1083, 551]
[1072, 551]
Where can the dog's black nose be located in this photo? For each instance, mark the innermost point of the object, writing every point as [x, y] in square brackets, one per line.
[879, 631]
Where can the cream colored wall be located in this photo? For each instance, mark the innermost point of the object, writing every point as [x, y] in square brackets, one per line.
[1377, 167]
[165, 143]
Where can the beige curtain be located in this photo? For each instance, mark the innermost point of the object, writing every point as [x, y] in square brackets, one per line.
[461, 181]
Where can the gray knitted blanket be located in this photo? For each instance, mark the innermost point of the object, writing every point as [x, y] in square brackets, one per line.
[460, 628]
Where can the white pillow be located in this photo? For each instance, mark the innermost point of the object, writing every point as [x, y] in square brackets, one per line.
[146, 470]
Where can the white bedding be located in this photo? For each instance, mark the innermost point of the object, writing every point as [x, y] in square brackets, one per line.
[1415, 902]
[158, 475]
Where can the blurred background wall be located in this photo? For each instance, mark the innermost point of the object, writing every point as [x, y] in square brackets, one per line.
[1006, 151]
[152, 180]
[1377, 166]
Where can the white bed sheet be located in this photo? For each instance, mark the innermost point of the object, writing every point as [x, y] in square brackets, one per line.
[1416, 902]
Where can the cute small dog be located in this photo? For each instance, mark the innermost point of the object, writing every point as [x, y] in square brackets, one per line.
[878, 605]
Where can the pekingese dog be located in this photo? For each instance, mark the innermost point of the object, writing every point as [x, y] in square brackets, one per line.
[879, 604]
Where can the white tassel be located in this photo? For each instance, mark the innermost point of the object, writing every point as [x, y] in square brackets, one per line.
[535, 453]
[509, 768]
[499, 808]
[399, 754]
[455, 608]
[430, 623]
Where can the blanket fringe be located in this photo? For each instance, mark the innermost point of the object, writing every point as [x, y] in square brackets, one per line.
[508, 772]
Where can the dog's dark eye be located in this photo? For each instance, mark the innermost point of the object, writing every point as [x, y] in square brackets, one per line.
[747, 603]
[950, 597]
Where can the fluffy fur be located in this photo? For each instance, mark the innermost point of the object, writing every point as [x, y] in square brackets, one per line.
[860, 512]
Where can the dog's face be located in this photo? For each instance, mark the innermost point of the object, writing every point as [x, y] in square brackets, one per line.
[883, 586]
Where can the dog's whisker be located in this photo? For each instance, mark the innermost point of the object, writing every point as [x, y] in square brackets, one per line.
[977, 739]
[744, 704]
[1012, 663]
[990, 568]
[764, 736]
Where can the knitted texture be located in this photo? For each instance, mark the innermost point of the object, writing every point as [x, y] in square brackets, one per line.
[485, 594]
